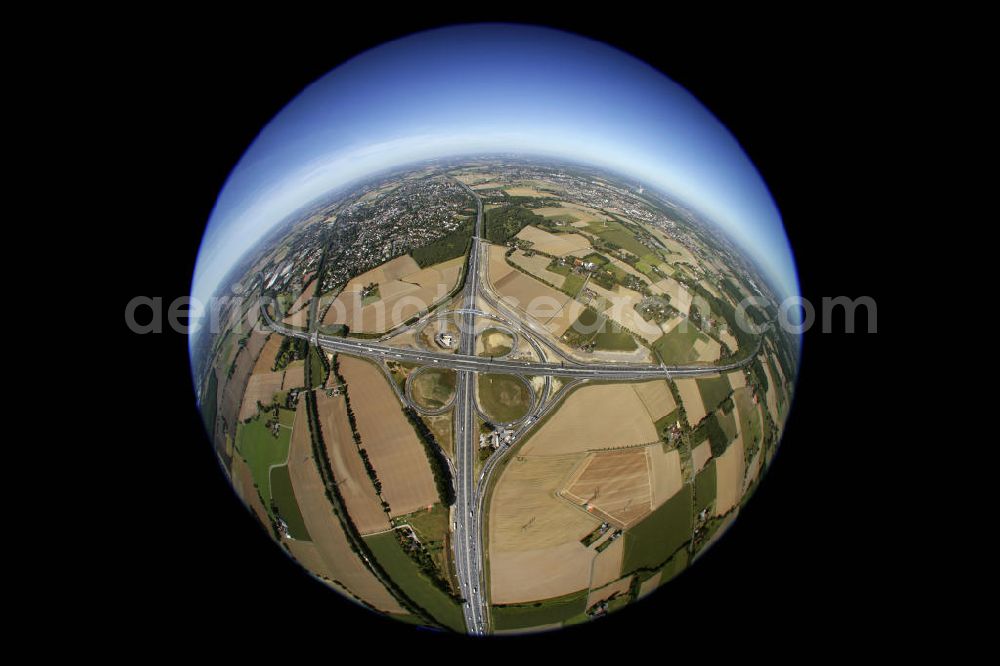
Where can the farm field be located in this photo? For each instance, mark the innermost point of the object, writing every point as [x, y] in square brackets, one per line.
[614, 485]
[285, 503]
[537, 265]
[325, 528]
[596, 416]
[261, 450]
[260, 388]
[555, 244]
[534, 536]
[405, 572]
[691, 397]
[392, 445]
[713, 391]
[349, 470]
[549, 614]
[651, 543]
[684, 343]
[405, 290]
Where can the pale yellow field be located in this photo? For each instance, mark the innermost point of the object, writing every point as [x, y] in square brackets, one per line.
[553, 309]
[582, 213]
[607, 564]
[534, 537]
[650, 584]
[537, 265]
[555, 244]
[729, 468]
[608, 591]
[404, 290]
[656, 397]
[700, 455]
[730, 340]
[614, 485]
[526, 192]
[737, 379]
[708, 350]
[392, 445]
[496, 263]
[600, 416]
[622, 310]
[260, 387]
[341, 562]
[348, 469]
[295, 375]
[691, 398]
[665, 474]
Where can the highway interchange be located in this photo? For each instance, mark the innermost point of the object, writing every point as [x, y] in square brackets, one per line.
[470, 492]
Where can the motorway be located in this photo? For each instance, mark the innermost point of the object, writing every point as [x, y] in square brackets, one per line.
[470, 492]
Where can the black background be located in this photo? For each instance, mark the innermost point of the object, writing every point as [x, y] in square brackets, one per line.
[817, 110]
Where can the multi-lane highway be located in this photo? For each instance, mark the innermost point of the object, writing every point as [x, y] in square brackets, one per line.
[470, 491]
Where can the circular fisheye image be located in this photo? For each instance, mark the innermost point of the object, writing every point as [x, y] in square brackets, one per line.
[489, 331]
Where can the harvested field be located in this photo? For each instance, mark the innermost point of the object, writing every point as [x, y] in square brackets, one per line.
[405, 291]
[267, 354]
[526, 192]
[553, 309]
[392, 445]
[599, 416]
[295, 375]
[665, 474]
[260, 388]
[691, 397]
[614, 485]
[497, 263]
[341, 562]
[348, 468]
[737, 379]
[656, 397]
[700, 455]
[534, 537]
[729, 469]
[554, 244]
[607, 565]
[537, 265]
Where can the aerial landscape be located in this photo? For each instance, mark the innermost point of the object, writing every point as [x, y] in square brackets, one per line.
[495, 393]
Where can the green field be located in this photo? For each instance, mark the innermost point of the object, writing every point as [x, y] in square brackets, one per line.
[432, 530]
[712, 429]
[434, 387]
[316, 367]
[407, 575]
[750, 420]
[677, 346]
[261, 450]
[704, 487]
[540, 613]
[614, 341]
[713, 391]
[650, 544]
[288, 507]
[504, 398]
[573, 284]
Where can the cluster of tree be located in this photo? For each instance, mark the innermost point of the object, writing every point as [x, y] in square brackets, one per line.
[425, 562]
[291, 349]
[371, 472]
[435, 456]
[502, 224]
[452, 245]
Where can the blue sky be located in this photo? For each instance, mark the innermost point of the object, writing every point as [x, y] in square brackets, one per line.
[492, 88]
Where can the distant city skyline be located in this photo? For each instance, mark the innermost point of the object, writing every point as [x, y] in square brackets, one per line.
[493, 89]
